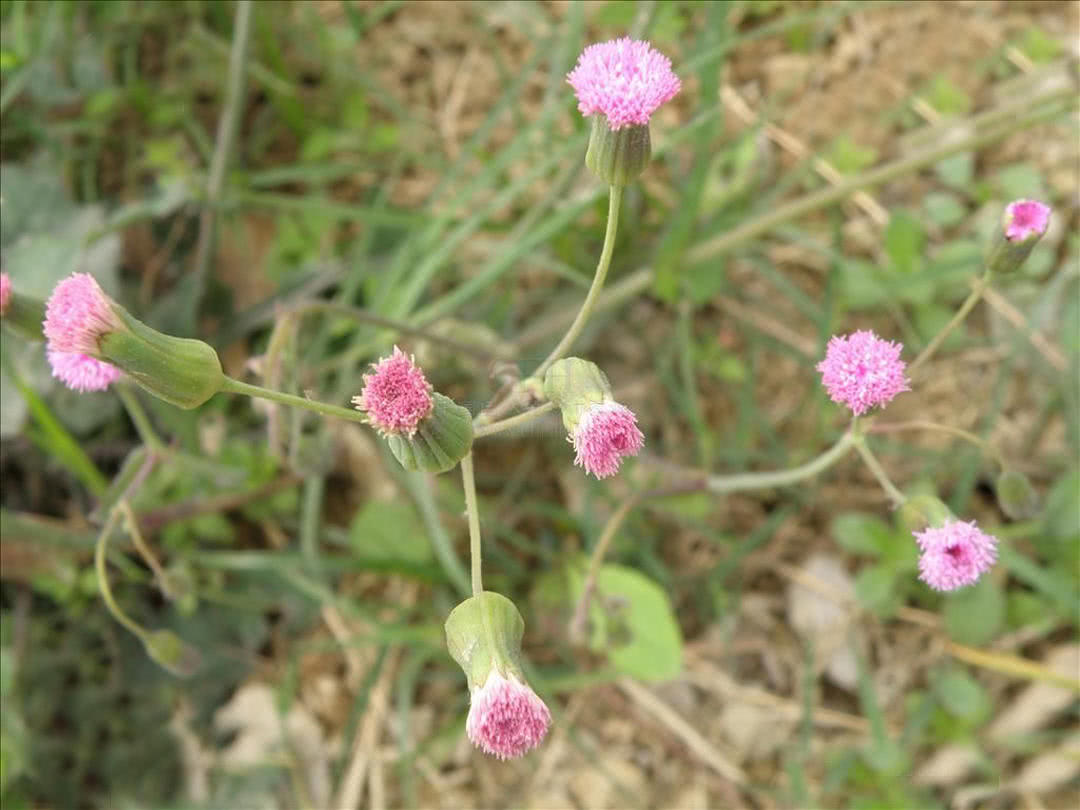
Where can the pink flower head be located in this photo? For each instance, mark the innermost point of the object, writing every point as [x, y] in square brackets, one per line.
[397, 396]
[506, 718]
[623, 79]
[607, 432]
[862, 371]
[77, 314]
[955, 555]
[1025, 219]
[82, 373]
[5, 292]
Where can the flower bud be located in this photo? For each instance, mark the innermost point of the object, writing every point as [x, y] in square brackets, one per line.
[922, 511]
[172, 653]
[1022, 225]
[1016, 495]
[506, 718]
[439, 442]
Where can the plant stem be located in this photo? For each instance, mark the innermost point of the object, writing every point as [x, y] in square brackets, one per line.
[918, 424]
[363, 316]
[139, 418]
[895, 495]
[614, 200]
[977, 289]
[132, 524]
[723, 484]
[226, 133]
[103, 577]
[513, 421]
[232, 386]
[469, 483]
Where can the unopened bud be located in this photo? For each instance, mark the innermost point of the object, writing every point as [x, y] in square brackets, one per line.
[172, 653]
[1022, 225]
[1016, 495]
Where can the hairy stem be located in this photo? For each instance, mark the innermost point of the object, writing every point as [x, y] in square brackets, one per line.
[513, 421]
[469, 482]
[103, 576]
[895, 495]
[232, 386]
[614, 200]
[723, 484]
[977, 290]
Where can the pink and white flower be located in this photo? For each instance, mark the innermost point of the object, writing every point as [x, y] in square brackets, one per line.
[5, 292]
[506, 717]
[1025, 219]
[77, 315]
[397, 396]
[605, 433]
[863, 371]
[81, 372]
[624, 80]
[954, 555]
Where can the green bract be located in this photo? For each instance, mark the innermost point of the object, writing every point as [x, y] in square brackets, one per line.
[440, 441]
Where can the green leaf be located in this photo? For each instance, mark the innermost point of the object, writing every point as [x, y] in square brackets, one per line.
[875, 588]
[391, 531]
[904, 240]
[862, 534]
[944, 208]
[849, 157]
[957, 171]
[1038, 46]
[947, 98]
[962, 696]
[975, 615]
[632, 623]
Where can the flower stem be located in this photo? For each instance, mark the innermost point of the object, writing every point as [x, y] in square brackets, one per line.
[139, 418]
[513, 421]
[978, 287]
[103, 576]
[895, 495]
[918, 424]
[614, 200]
[723, 484]
[236, 387]
[469, 483]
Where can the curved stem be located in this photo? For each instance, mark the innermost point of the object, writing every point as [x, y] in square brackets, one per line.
[139, 418]
[469, 483]
[895, 495]
[614, 199]
[918, 424]
[977, 289]
[232, 386]
[103, 577]
[513, 421]
[723, 484]
[144, 550]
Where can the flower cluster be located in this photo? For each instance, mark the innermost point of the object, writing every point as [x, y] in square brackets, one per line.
[396, 396]
[954, 555]
[862, 371]
[1025, 219]
[624, 80]
[607, 432]
[506, 718]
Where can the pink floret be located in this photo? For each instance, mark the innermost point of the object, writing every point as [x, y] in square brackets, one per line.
[5, 292]
[955, 555]
[82, 373]
[607, 432]
[1026, 218]
[863, 371]
[77, 315]
[396, 397]
[624, 80]
[506, 718]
